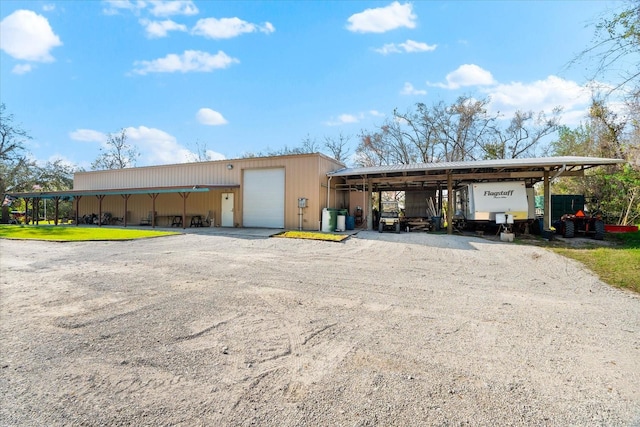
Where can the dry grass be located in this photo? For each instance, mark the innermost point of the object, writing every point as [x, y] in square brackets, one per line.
[311, 235]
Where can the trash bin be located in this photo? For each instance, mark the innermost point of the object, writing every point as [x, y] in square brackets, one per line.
[351, 222]
[329, 219]
[436, 223]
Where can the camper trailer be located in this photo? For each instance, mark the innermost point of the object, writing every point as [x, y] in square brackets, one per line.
[480, 202]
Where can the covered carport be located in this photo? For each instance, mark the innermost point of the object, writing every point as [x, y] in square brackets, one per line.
[447, 176]
[36, 197]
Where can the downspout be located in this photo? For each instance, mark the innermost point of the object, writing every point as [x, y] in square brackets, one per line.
[328, 190]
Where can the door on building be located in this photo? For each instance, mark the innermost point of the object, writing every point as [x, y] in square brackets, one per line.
[226, 218]
[263, 198]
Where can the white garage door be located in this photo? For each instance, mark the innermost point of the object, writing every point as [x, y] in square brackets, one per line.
[263, 198]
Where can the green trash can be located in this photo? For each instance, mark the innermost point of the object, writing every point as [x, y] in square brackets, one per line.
[330, 218]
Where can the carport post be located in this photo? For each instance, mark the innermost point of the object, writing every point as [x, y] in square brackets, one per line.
[449, 202]
[153, 208]
[35, 210]
[547, 201]
[184, 208]
[126, 201]
[77, 199]
[57, 200]
[100, 197]
[369, 212]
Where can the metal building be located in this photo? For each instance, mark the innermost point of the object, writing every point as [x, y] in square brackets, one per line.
[250, 192]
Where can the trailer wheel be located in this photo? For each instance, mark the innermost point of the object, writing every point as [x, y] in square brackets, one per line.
[380, 227]
[397, 227]
[599, 226]
[569, 229]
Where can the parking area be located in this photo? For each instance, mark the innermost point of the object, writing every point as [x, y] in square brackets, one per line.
[230, 327]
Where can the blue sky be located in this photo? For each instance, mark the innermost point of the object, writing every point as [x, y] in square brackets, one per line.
[250, 76]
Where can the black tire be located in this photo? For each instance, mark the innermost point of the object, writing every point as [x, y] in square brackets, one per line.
[380, 227]
[397, 227]
[569, 229]
[599, 228]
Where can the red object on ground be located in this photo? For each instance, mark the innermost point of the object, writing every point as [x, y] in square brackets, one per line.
[610, 228]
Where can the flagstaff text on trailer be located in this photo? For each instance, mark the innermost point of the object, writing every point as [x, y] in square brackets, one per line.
[498, 193]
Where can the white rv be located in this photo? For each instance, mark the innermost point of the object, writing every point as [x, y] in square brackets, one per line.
[480, 202]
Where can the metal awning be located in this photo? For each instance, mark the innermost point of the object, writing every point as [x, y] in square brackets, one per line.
[125, 193]
[448, 175]
[534, 165]
[419, 174]
[69, 194]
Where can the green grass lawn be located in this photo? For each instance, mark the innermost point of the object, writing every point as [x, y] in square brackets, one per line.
[76, 234]
[618, 265]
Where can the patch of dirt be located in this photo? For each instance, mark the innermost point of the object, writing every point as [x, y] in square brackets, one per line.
[382, 329]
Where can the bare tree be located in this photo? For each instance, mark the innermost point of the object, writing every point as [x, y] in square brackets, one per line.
[387, 146]
[309, 145]
[339, 148]
[522, 137]
[117, 153]
[201, 153]
[430, 134]
[616, 48]
[463, 127]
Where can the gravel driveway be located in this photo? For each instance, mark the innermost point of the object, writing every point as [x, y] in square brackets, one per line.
[382, 329]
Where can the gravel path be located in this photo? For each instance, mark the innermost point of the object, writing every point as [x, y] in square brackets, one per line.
[383, 329]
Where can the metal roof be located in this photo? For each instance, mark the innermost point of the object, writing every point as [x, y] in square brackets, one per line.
[550, 163]
[123, 191]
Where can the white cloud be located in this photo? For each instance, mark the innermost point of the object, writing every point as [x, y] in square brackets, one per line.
[408, 89]
[49, 7]
[157, 8]
[466, 75]
[209, 155]
[382, 19]
[541, 95]
[115, 6]
[343, 119]
[173, 7]
[414, 46]
[88, 135]
[347, 118]
[410, 46]
[158, 29]
[214, 155]
[21, 69]
[155, 146]
[267, 28]
[207, 116]
[189, 61]
[28, 36]
[158, 147]
[226, 28]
